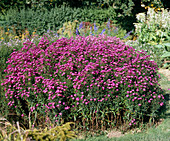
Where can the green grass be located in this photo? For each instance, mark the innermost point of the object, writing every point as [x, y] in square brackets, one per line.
[159, 133]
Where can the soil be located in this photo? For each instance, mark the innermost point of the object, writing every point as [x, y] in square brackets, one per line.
[112, 134]
[165, 72]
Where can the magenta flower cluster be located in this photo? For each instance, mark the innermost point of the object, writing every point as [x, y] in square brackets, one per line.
[70, 75]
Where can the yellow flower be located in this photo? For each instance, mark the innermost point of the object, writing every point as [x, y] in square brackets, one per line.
[6, 33]
[156, 9]
[134, 38]
[16, 37]
[23, 37]
[2, 38]
[151, 5]
[33, 33]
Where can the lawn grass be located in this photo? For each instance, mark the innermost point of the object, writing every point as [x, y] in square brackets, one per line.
[159, 133]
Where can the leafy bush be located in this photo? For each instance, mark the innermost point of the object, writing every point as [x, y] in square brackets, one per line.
[153, 29]
[165, 48]
[91, 80]
[42, 20]
[121, 6]
[156, 4]
[7, 4]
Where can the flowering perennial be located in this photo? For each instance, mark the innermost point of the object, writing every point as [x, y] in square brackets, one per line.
[83, 77]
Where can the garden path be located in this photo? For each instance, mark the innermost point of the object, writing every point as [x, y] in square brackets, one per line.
[165, 72]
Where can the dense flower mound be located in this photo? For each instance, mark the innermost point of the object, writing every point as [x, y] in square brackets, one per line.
[86, 78]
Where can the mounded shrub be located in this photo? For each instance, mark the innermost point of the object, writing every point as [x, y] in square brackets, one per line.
[92, 80]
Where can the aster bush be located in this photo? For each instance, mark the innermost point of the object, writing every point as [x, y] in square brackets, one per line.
[6, 48]
[96, 82]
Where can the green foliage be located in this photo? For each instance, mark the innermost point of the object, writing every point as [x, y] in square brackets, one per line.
[7, 4]
[121, 6]
[43, 19]
[153, 29]
[165, 53]
[156, 3]
[5, 51]
[124, 9]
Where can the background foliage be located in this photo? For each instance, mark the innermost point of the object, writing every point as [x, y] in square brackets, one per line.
[43, 19]
[122, 11]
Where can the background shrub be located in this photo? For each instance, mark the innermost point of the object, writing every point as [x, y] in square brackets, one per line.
[152, 30]
[123, 10]
[90, 80]
[53, 19]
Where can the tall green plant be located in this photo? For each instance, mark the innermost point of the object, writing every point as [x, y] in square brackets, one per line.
[7, 4]
[153, 29]
[43, 19]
